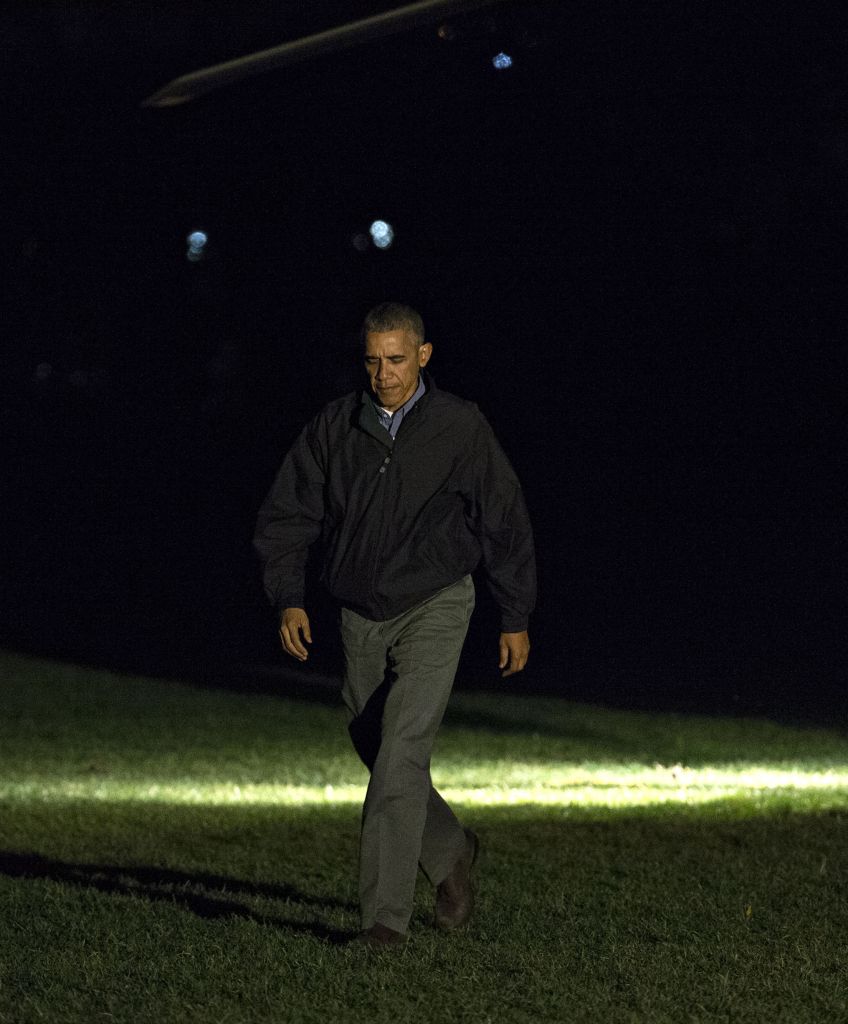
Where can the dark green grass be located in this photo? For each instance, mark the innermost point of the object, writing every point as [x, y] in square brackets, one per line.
[119, 904]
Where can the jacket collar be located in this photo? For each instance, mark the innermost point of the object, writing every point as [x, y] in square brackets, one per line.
[368, 419]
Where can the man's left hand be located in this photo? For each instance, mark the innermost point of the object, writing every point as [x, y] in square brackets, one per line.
[515, 650]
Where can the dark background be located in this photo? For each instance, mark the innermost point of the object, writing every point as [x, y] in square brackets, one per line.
[629, 249]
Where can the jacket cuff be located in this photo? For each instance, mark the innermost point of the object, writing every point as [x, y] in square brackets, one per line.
[514, 626]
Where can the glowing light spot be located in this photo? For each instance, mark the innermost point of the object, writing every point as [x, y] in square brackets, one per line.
[501, 61]
[382, 233]
[196, 245]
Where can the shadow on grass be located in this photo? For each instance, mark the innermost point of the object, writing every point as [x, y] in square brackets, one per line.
[168, 886]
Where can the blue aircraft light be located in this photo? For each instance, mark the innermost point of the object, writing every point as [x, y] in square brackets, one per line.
[382, 233]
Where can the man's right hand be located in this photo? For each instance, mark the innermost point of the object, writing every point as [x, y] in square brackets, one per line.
[294, 624]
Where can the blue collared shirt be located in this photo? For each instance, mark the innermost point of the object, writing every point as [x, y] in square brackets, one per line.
[392, 421]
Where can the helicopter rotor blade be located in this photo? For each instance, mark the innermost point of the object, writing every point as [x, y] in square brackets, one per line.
[197, 83]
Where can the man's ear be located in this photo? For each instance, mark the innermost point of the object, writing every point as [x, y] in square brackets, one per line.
[424, 353]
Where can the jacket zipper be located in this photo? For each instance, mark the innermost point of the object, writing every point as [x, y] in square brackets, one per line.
[382, 471]
[381, 484]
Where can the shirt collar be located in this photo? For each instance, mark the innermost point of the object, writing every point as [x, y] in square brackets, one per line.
[392, 421]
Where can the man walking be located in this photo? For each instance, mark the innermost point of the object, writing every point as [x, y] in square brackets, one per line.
[409, 491]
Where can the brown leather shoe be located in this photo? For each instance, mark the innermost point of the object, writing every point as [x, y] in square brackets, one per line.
[380, 936]
[455, 895]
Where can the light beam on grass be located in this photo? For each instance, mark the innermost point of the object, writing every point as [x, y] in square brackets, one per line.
[477, 784]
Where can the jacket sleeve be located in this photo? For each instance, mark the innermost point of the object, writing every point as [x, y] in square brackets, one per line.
[498, 516]
[290, 519]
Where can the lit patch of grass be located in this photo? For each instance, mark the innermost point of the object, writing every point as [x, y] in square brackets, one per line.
[490, 783]
[171, 854]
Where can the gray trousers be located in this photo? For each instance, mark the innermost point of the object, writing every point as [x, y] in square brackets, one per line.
[398, 678]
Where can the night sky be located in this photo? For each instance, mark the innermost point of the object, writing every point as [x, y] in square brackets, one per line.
[628, 248]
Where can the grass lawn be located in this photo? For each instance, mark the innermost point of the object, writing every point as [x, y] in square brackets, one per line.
[173, 854]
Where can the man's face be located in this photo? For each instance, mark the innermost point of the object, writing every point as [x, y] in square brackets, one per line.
[393, 359]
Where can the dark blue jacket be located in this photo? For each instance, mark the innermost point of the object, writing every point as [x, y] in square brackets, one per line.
[399, 520]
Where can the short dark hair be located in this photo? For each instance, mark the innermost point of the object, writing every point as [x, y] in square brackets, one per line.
[394, 316]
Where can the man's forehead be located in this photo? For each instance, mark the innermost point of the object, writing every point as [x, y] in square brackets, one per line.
[390, 341]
